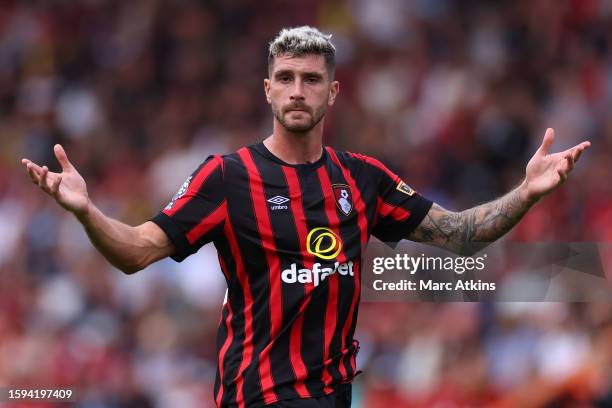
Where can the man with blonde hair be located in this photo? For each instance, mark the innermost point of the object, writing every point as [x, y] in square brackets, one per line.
[290, 219]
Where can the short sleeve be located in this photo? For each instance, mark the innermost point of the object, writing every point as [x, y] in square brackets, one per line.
[400, 209]
[197, 212]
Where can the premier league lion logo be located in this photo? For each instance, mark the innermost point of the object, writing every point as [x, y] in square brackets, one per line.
[179, 193]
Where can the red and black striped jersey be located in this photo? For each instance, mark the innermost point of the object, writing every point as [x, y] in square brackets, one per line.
[290, 240]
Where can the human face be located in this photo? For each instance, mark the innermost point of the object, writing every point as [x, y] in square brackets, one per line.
[299, 90]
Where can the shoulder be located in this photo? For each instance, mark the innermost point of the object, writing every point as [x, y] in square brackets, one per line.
[364, 162]
[212, 164]
[229, 161]
[346, 158]
[237, 157]
[241, 159]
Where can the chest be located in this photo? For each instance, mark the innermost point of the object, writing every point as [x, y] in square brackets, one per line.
[297, 210]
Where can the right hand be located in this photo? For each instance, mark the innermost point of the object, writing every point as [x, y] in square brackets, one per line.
[68, 188]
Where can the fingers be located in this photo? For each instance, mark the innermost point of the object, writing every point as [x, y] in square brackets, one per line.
[572, 155]
[55, 186]
[577, 150]
[549, 137]
[62, 158]
[33, 173]
[47, 181]
[31, 164]
[42, 181]
[562, 176]
[565, 165]
[60, 155]
[570, 162]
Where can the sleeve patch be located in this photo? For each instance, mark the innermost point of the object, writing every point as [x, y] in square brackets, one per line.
[181, 192]
[405, 188]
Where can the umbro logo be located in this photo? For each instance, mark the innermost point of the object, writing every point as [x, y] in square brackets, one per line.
[278, 202]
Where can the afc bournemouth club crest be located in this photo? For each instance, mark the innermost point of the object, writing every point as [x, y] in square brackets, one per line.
[344, 198]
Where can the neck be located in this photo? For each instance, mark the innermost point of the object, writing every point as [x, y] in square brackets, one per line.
[296, 148]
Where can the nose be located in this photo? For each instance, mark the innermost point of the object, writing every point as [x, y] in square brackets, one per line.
[297, 92]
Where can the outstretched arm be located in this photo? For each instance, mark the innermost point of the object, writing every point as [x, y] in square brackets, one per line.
[469, 231]
[127, 248]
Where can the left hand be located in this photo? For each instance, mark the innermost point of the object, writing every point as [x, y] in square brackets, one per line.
[545, 171]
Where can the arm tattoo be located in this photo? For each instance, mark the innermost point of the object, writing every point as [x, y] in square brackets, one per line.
[469, 231]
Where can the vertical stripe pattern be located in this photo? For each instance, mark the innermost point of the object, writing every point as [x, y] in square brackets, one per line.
[295, 351]
[286, 329]
[332, 307]
[247, 345]
[267, 240]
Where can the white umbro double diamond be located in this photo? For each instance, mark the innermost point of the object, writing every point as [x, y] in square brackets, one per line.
[278, 202]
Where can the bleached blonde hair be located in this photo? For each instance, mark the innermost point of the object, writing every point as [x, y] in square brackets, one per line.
[300, 41]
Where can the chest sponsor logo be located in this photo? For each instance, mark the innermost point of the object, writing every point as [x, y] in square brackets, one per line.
[278, 203]
[344, 198]
[324, 243]
[317, 274]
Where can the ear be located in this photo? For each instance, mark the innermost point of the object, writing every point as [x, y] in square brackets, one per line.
[267, 90]
[333, 92]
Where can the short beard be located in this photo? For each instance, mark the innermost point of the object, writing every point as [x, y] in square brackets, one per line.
[316, 117]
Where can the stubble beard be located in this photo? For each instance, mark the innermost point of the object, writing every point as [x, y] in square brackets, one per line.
[315, 118]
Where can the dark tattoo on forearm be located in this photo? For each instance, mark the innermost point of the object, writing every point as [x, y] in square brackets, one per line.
[469, 231]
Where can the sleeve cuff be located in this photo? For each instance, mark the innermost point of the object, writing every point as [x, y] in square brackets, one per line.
[418, 213]
[181, 245]
[391, 237]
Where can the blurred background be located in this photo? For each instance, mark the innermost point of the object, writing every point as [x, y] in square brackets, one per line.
[455, 96]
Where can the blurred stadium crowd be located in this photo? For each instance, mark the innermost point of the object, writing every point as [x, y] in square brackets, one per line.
[453, 95]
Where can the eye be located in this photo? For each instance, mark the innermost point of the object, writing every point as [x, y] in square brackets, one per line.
[312, 80]
[284, 79]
